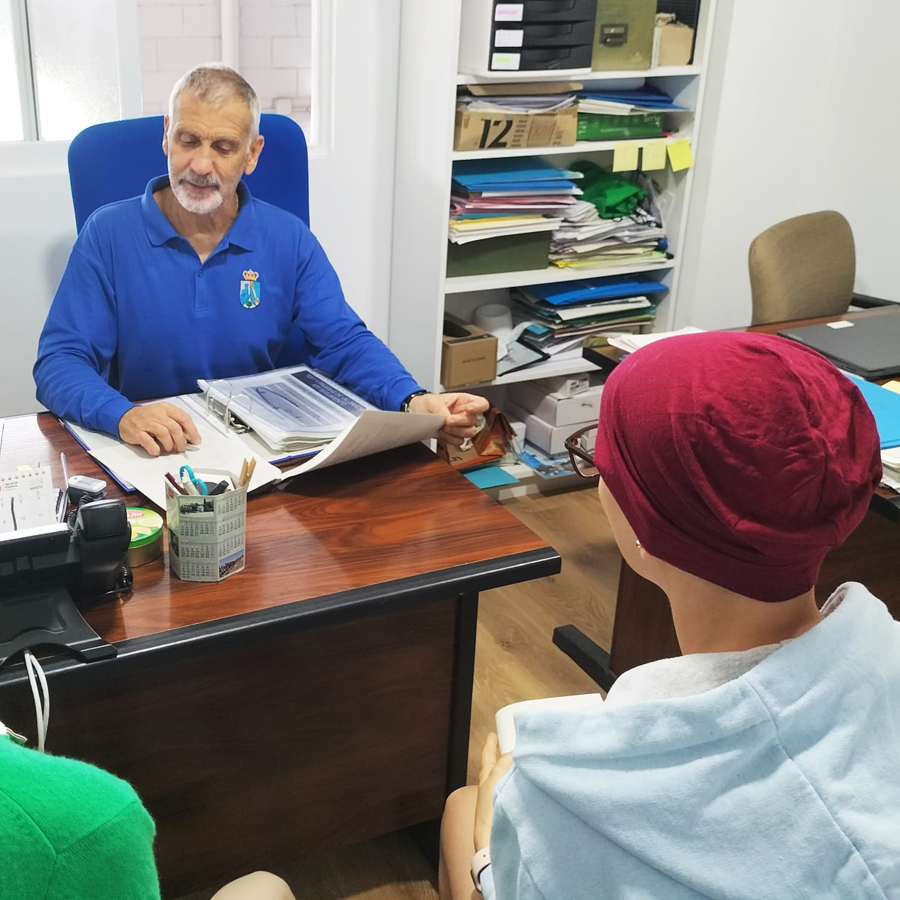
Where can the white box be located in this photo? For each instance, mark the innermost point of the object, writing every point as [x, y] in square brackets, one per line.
[549, 438]
[556, 409]
[565, 385]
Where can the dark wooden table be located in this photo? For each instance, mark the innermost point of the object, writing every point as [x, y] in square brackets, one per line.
[643, 630]
[322, 696]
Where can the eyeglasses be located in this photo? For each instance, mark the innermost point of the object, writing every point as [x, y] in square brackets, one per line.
[581, 451]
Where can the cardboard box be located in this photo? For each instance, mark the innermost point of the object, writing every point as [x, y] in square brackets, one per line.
[549, 438]
[557, 409]
[484, 130]
[468, 354]
[674, 44]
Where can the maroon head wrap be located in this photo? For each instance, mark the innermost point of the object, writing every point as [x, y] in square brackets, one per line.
[740, 458]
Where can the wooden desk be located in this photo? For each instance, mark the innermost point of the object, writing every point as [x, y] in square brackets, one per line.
[643, 630]
[322, 696]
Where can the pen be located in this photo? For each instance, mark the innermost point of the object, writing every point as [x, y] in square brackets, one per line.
[172, 480]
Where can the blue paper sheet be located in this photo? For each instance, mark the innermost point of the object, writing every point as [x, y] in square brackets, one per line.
[490, 476]
[885, 406]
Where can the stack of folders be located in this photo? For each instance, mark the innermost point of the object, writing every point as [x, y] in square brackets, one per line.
[567, 315]
[291, 410]
[584, 239]
[884, 402]
[611, 115]
[495, 197]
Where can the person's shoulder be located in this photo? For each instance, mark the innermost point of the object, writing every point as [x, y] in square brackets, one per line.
[114, 216]
[61, 797]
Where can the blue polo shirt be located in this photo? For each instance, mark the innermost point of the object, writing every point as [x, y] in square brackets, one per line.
[137, 316]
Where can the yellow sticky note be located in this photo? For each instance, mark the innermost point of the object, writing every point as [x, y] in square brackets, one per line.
[893, 386]
[680, 155]
[625, 156]
[653, 156]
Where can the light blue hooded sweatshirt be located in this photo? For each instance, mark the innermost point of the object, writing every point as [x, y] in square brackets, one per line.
[782, 783]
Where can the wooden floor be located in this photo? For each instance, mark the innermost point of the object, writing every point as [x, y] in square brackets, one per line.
[514, 660]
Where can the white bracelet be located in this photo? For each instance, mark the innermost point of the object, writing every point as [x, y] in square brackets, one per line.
[480, 861]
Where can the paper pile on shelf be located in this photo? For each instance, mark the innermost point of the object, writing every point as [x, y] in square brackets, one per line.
[585, 238]
[562, 316]
[493, 197]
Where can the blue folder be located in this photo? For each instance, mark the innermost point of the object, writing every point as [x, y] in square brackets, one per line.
[885, 406]
[610, 288]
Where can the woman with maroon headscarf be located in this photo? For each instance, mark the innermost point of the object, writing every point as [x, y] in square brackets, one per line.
[763, 763]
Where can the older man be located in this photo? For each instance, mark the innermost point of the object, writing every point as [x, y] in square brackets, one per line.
[153, 297]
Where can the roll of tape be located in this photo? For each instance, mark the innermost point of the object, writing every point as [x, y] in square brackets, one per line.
[495, 318]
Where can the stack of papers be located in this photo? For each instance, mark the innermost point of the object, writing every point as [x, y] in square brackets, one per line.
[631, 342]
[890, 462]
[494, 197]
[584, 239]
[563, 315]
[519, 99]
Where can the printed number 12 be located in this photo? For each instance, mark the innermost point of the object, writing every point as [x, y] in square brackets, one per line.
[498, 140]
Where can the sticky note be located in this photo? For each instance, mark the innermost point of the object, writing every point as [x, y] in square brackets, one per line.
[653, 156]
[680, 155]
[625, 156]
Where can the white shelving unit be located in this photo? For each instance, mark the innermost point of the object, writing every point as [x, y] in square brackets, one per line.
[420, 290]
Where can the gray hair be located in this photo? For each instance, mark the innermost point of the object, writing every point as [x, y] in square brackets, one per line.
[217, 83]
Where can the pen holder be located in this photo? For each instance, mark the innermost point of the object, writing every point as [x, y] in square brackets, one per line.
[207, 534]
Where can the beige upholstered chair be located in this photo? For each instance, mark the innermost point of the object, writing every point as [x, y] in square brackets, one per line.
[802, 267]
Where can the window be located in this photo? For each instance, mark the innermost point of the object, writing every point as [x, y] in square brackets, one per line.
[268, 41]
[58, 73]
[65, 65]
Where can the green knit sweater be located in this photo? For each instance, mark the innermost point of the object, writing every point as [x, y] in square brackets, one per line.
[70, 831]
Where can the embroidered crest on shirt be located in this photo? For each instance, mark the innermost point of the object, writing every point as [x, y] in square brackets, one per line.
[250, 289]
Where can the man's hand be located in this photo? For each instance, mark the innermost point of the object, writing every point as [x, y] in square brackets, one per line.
[493, 768]
[158, 427]
[463, 414]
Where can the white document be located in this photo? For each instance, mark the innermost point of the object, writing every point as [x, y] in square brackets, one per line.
[505, 717]
[375, 430]
[631, 342]
[224, 451]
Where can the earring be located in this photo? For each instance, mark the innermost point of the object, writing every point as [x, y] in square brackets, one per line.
[637, 544]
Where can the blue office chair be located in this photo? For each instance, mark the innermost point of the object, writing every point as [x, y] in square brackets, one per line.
[115, 160]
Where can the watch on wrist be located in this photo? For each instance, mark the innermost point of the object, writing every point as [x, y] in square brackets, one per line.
[480, 861]
[404, 406]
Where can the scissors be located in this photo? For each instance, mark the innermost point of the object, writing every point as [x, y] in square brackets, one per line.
[199, 485]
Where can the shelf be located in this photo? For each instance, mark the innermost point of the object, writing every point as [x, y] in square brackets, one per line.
[464, 283]
[548, 369]
[577, 147]
[582, 76]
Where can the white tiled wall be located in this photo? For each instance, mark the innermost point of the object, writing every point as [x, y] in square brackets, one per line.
[275, 49]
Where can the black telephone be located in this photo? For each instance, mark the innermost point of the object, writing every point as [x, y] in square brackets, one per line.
[47, 573]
